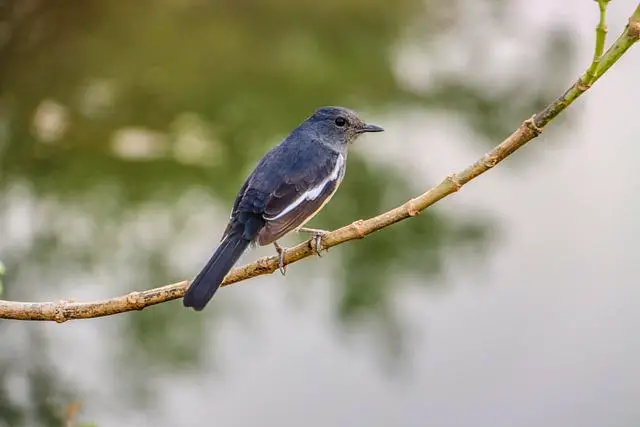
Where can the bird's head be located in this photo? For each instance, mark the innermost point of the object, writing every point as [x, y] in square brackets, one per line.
[338, 126]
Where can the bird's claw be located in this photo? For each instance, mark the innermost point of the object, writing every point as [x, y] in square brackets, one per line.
[281, 252]
[317, 240]
[281, 266]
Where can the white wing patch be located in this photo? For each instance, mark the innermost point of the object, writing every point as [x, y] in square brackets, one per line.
[314, 192]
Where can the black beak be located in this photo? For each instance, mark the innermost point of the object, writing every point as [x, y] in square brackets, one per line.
[370, 128]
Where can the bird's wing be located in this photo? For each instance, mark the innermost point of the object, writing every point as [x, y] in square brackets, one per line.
[305, 186]
[236, 205]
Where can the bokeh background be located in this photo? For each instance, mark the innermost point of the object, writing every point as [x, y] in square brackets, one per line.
[127, 127]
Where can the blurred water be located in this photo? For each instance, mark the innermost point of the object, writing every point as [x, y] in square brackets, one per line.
[534, 329]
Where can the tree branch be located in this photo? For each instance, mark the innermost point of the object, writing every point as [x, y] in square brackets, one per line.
[65, 310]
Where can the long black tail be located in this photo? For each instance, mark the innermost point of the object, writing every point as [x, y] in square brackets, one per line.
[208, 280]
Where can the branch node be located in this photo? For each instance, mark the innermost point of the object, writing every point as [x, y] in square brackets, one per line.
[136, 299]
[59, 316]
[453, 179]
[583, 86]
[358, 228]
[530, 123]
[634, 28]
[411, 208]
[490, 160]
[265, 263]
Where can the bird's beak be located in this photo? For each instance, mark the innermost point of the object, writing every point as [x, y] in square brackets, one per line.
[370, 128]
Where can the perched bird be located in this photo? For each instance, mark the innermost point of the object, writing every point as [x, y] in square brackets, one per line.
[289, 186]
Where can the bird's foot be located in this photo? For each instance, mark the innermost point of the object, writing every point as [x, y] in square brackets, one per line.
[317, 238]
[281, 252]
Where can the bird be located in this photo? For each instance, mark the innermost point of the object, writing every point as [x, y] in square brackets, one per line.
[288, 187]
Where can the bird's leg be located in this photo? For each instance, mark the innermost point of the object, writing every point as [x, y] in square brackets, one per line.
[317, 234]
[281, 251]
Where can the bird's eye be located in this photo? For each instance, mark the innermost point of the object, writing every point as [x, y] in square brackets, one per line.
[341, 121]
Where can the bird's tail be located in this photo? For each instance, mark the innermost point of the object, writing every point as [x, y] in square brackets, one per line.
[208, 280]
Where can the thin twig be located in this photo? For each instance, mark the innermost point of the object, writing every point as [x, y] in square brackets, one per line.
[529, 129]
[601, 38]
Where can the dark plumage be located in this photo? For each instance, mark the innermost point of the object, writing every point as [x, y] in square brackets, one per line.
[291, 183]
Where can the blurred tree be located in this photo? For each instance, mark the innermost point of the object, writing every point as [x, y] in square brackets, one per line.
[116, 115]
